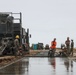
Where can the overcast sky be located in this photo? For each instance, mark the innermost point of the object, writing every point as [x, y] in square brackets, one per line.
[46, 19]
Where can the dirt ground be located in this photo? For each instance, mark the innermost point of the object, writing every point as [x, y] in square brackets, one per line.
[7, 60]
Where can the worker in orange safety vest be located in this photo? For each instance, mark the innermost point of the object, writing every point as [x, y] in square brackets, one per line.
[53, 44]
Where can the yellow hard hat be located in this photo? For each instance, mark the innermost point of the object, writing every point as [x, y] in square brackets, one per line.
[17, 36]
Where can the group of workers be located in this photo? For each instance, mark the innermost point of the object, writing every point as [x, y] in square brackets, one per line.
[67, 47]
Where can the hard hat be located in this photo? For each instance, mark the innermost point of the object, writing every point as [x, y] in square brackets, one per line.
[17, 36]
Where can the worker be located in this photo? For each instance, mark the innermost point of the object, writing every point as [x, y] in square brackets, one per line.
[67, 42]
[63, 51]
[53, 46]
[72, 46]
[16, 43]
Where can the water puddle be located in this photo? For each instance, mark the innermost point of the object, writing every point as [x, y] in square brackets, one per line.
[41, 66]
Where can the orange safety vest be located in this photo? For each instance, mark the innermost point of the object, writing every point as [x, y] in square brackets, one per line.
[53, 44]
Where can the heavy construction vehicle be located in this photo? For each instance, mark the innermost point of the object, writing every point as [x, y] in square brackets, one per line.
[10, 27]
